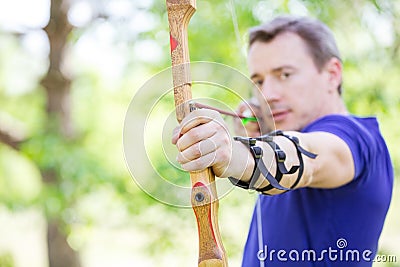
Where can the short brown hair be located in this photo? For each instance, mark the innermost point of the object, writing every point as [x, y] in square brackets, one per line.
[317, 36]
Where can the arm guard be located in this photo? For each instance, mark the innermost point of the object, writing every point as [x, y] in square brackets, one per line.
[280, 157]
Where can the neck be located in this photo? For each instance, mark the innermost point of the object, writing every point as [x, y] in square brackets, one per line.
[333, 105]
[337, 107]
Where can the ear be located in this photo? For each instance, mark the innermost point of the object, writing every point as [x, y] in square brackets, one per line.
[334, 74]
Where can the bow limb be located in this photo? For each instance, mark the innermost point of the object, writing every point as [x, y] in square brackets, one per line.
[204, 194]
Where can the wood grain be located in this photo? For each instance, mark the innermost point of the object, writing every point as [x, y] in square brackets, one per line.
[204, 194]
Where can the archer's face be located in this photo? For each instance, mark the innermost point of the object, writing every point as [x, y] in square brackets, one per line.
[295, 90]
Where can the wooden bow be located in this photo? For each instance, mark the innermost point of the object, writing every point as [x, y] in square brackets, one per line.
[204, 194]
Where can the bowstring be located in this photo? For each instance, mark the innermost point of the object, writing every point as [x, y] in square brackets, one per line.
[235, 23]
[259, 231]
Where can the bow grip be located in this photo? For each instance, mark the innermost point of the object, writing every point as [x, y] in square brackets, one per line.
[204, 196]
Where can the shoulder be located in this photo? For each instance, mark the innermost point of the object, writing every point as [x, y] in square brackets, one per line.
[335, 120]
[350, 128]
[361, 134]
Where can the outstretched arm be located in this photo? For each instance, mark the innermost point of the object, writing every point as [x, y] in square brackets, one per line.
[204, 141]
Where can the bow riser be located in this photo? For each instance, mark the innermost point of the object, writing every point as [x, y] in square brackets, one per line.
[179, 15]
[204, 195]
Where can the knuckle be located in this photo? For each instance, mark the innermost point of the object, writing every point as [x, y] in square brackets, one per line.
[215, 114]
[179, 158]
[179, 145]
[198, 165]
[226, 140]
[196, 151]
[222, 139]
[224, 155]
[182, 158]
[194, 134]
[218, 126]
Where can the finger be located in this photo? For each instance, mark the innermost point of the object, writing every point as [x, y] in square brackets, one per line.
[242, 107]
[176, 133]
[239, 127]
[251, 129]
[189, 122]
[197, 151]
[198, 117]
[201, 132]
[200, 164]
[248, 108]
[244, 127]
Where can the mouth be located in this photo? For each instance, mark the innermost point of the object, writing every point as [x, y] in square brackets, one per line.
[279, 115]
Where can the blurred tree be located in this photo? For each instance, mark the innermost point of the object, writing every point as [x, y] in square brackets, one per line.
[58, 125]
[57, 86]
[67, 170]
[68, 118]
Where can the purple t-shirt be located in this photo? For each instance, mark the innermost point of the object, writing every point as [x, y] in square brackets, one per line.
[328, 227]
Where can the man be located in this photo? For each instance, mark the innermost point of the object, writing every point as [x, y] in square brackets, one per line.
[326, 179]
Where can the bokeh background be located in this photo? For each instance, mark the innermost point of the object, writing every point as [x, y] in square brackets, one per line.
[68, 71]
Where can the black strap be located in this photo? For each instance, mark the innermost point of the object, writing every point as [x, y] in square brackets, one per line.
[300, 150]
[259, 166]
[280, 157]
[257, 154]
[274, 181]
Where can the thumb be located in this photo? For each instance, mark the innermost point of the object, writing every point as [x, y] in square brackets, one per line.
[176, 134]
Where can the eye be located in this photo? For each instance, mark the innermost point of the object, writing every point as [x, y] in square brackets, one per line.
[258, 82]
[284, 75]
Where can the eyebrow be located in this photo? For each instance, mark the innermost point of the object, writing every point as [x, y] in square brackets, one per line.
[279, 69]
[275, 70]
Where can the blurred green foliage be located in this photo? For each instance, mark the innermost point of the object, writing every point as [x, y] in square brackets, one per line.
[6, 260]
[123, 56]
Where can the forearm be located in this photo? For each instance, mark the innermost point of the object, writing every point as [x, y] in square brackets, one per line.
[203, 141]
[241, 163]
[281, 165]
[290, 180]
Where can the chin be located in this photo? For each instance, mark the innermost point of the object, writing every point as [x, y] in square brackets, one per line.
[289, 124]
[286, 127]
[280, 126]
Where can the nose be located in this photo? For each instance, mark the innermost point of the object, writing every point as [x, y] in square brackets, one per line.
[270, 91]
